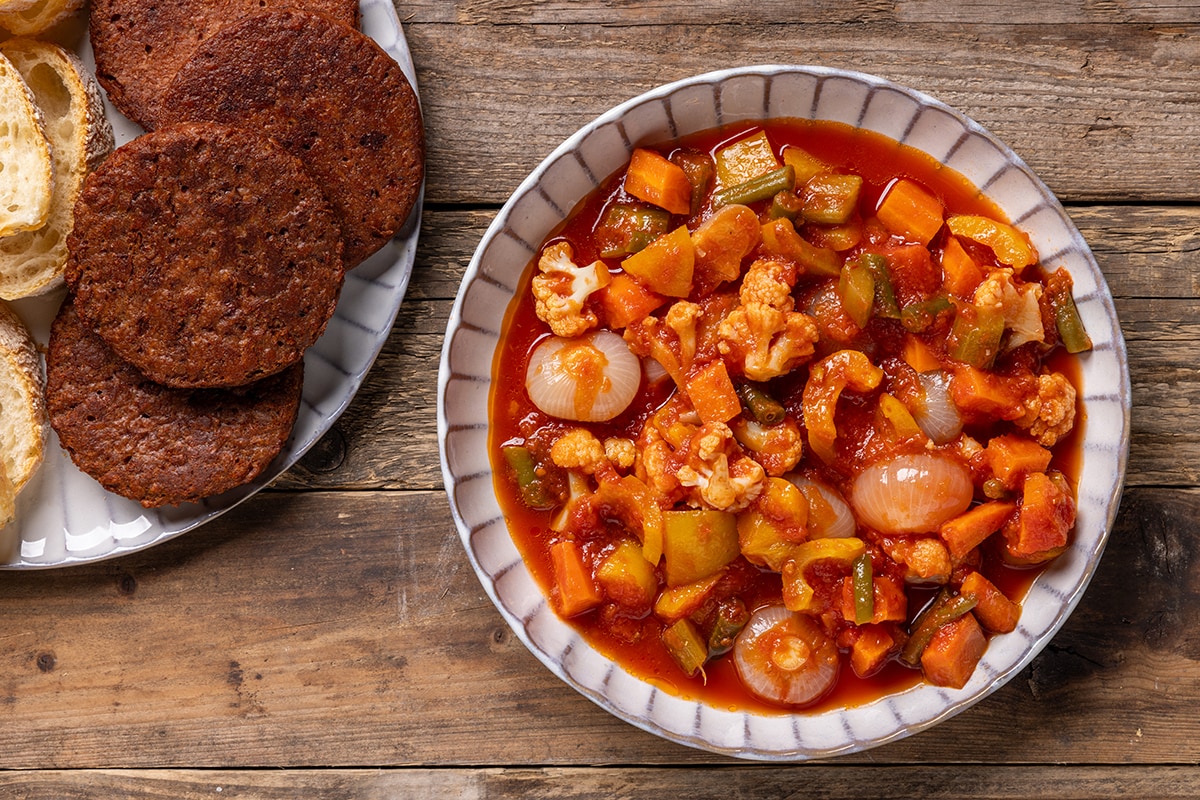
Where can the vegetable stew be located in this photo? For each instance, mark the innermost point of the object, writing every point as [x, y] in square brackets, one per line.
[786, 417]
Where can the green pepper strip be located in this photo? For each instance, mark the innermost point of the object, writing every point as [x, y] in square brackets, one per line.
[627, 229]
[765, 409]
[760, 188]
[1069, 324]
[942, 611]
[918, 317]
[685, 646]
[885, 294]
[975, 336]
[856, 287]
[533, 491]
[864, 589]
[732, 616]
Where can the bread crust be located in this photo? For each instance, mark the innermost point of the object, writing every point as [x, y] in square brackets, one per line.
[31, 262]
[139, 44]
[153, 444]
[24, 425]
[205, 256]
[345, 108]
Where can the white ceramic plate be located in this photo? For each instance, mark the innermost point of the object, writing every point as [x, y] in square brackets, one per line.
[64, 517]
[550, 193]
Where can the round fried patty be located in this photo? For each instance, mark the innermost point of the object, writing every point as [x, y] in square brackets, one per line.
[330, 96]
[151, 443]
[139, 44]
[204, 255]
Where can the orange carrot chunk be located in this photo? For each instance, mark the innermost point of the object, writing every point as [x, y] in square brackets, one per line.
[992, 608]
[968, 530]
[953, 652]
[871, 650]
[573, 586]
[960, 274]
[1012, 457]
[651, 177]
[910, 211]
[712, 393]
[625, 300]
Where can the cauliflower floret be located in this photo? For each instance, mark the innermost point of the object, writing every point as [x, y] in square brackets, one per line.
[682, 318]
[561, 288]
[722, 476]
[1020, 306]
[578, 449]
[777, 447]
[621, 452]
[765, 334]
[1050, 412]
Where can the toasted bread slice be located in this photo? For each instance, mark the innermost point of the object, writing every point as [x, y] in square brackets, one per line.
[25, 171]
[38, 17]
[80, 137]
[23, 423]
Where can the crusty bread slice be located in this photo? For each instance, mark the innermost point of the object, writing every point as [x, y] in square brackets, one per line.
[80, 137]
[25, 171]
[23, 421]
[38, 17]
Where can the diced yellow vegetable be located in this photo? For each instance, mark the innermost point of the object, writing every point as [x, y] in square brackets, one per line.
[745, 159]
[899, 416]
[770, 530]
[1010, 245]
[627, 577]
[697, 543]
[798, 593]
[676, 602]
[804, 163]
[666, 264]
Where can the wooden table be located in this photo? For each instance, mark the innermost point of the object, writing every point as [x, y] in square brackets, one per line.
[331, 629]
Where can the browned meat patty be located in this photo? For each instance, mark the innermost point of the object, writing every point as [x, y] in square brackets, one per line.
[139, 44]
[157, 445]
[204, 255]
[332, 97]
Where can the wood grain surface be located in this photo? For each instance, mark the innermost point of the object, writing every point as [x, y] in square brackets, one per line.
[328, 638]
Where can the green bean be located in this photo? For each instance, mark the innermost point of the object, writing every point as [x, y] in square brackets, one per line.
[759, 188]
[765, 409]
[864, 589]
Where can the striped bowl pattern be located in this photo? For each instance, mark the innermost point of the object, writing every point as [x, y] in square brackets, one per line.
[64, 517]
[548, 195]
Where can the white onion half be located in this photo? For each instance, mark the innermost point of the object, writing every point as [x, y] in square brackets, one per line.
[785, 658]
[590, 378]
[911, 493]
[837, 521]
[937, 416]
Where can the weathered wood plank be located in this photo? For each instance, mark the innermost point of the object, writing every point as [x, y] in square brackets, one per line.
[1100, 111]
[665, 12]
[347, 629]
[601, 783]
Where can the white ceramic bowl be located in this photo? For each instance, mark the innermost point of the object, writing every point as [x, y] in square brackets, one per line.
[551, 192]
